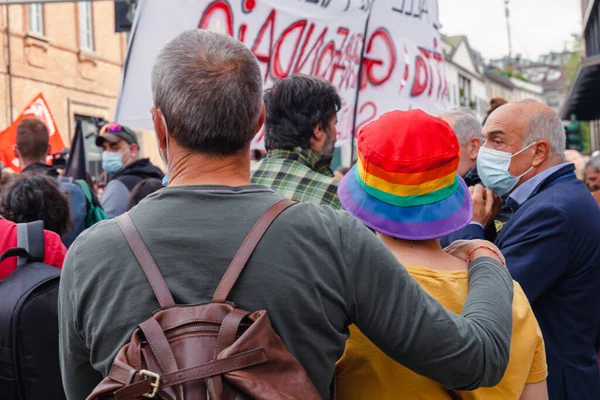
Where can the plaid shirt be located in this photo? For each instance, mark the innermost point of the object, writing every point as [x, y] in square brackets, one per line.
[298, 174]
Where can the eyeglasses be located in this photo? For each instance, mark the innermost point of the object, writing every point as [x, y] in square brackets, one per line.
[111, 127]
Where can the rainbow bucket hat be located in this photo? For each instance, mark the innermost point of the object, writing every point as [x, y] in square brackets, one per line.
[405, 182]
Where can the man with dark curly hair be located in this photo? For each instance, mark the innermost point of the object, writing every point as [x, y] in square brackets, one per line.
[300, 138]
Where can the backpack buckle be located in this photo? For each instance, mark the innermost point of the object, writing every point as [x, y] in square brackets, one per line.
[155, 385]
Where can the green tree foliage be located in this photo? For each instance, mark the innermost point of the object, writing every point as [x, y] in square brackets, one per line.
[575, 59]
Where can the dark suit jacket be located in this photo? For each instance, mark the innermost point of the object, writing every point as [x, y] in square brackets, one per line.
[552, 248]
[472, 177]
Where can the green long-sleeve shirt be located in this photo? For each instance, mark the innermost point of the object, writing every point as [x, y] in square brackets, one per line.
[316, 271]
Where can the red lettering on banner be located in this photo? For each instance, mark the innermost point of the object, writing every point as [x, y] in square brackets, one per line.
[406, 70]
[265, 58]
[421, 78]
[301, 62]
[426, 63]
[338, 54]
[278, 71]
[328, 50]
[427, 54]
[354, 48]
[216, 7]
[440, 61]
[242, 33]
[248, 5]
[388, 63]
[348, 80]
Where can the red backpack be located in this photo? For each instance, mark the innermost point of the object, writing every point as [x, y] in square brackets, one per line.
[210, 351]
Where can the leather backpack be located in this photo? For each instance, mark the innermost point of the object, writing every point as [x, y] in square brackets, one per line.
[211, 351]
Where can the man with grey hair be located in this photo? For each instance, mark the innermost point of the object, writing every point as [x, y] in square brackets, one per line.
[592, 174]
[316, 271]
[552, 240]
[467, 128]
[468, 132]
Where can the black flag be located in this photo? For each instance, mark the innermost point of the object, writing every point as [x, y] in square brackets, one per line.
[77, 166]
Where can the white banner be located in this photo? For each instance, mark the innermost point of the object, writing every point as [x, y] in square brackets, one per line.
[403, 60]
[402, 65]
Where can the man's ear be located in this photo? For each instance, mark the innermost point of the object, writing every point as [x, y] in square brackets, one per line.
[135, 148]
[542, 149]
[319, 132]
[474, 145]
[16, 151]
[159, 128]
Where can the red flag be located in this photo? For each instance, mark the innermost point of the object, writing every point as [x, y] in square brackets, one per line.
[37, 108]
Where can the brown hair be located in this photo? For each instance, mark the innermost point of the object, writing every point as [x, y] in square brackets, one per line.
[496, 102]
[32, 139]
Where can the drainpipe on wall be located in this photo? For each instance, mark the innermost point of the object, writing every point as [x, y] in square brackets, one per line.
[9, 65]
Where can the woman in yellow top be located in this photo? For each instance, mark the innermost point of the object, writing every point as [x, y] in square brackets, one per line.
[406, 188]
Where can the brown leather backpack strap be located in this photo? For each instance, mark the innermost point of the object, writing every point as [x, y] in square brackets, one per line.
[137, 245]
[159, 345]
[232, 363]
[247, 248]
[227, 335]
[229, 329]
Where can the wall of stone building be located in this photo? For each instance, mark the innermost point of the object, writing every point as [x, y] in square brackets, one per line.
[73, 81]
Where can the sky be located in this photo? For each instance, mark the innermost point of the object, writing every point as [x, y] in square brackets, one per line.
[538, 26]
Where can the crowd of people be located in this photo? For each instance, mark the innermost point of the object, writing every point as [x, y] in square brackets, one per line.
[451, 261]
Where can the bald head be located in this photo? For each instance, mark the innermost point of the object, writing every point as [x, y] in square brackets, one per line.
[529, 121]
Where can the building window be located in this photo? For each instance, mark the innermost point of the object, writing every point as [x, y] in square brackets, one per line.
[464, 90]
[36, 18]
[93, 153]
[86, 25]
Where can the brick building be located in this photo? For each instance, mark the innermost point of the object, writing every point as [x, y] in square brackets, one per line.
[69, 52]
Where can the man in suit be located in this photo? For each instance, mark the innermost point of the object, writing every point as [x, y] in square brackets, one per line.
[552, 240]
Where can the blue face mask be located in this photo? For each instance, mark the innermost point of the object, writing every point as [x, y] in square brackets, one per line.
[112, 162]
[493, 166]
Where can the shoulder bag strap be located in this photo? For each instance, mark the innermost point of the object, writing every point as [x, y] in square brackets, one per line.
[247, 248]
[86, 190]
[155, 278]
[30, 237]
